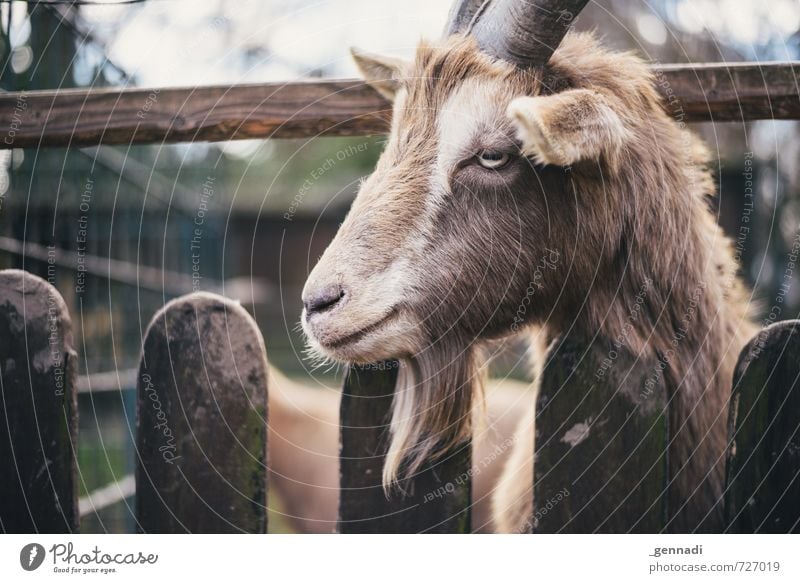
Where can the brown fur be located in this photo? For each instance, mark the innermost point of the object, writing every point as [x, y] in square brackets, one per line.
[445, 250]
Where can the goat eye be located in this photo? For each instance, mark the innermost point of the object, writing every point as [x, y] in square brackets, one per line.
[493, 159]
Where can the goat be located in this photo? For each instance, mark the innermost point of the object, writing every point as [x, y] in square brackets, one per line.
[503, 157]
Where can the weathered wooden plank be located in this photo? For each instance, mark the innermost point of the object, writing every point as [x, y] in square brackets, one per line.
[214, 113]
[763, 487]
[201, 420]
[730, 92]
[601, 435]
[346, 107]
[438, 498]
[38, 409]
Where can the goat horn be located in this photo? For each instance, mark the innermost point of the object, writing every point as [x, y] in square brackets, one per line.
[461, 16]
[522, 32]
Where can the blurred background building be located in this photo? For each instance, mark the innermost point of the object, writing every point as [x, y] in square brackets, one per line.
[121, 222]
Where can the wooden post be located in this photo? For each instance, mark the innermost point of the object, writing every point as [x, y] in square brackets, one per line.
[437, 500]
[201, 420]
[38, 409]
[763, 487]
[601, 436]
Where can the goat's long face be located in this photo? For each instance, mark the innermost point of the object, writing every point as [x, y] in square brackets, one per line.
[443, 237]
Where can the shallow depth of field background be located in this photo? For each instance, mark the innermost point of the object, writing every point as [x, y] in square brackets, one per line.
[267, 209]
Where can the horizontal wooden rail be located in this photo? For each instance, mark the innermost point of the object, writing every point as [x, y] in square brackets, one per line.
[215, 113]
[106, 382]
[140, 276]
[78, 117]
[108, 495]
[155, 279]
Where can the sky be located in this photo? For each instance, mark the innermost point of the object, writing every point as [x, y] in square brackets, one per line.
[192, 42]
[189, 42]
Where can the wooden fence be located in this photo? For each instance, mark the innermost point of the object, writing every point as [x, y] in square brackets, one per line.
[202, 419]
[202, 382]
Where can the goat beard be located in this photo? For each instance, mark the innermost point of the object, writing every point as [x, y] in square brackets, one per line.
[432, 409]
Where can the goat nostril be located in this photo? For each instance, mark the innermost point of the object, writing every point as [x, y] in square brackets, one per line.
[324, 299]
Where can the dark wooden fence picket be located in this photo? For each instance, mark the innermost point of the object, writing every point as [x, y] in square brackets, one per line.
[601, 433]
[201, 420]
[763, 487]
[438, 498]
[38, 408]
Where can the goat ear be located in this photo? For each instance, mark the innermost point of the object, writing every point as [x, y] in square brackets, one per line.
[381, 72]
[574, 125]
